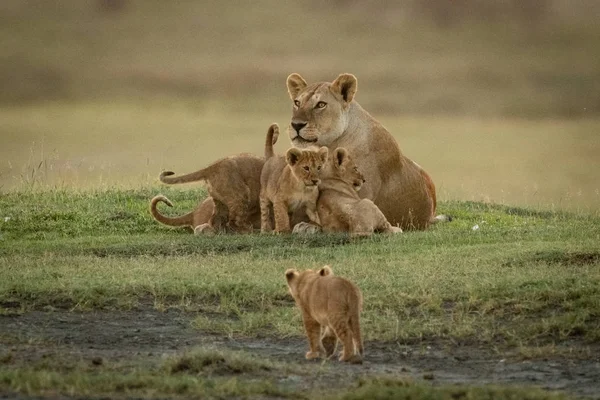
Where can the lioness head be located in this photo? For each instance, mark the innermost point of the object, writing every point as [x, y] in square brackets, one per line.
[307, 164]
[294, 277]
[320, 110]
[343, 166]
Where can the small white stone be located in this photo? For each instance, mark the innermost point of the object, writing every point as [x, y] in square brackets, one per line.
[475, 227]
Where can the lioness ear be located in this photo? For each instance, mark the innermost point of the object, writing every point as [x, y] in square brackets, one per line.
[345, 85]
[290, 274]
[292, 156]
[340, 154]
[295, 84]
[323, 153]
[326, 270]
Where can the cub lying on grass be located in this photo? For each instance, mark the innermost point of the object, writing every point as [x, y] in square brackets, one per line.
[339, 206]
[234, 185]
[331, 308]
[194, 219]
[289, 183]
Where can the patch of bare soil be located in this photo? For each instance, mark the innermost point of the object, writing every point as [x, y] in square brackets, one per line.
[145, 335]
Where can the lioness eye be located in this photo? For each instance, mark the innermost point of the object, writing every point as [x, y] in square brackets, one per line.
[321, 104]
[297, 103]
[318, 168]
[306, 168]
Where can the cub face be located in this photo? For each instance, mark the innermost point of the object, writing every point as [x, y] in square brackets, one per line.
[319, 110]
[307, 164]
[344, 167]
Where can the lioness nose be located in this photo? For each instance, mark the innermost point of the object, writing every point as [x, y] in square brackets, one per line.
[298, 125]
[315, 181]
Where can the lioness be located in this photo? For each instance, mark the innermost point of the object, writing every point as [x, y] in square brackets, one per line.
[289, 183]
[339, 206]
[330, 308]
[195, 219]
[234, 186]
[326, 114]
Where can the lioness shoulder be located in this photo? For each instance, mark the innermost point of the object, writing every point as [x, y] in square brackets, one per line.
[330, 307]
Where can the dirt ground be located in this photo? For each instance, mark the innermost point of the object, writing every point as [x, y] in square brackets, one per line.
[146, 336]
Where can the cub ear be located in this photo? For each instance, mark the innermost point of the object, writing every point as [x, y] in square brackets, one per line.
[323, 153]
[345, 85]
[341, 156]
[292, 156]
[295, 84]
[273, 132]
[290, 274]
[325, 271]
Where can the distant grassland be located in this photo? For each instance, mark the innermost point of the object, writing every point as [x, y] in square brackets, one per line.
[495, 64]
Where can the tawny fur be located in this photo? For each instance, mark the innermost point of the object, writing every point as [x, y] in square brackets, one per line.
[339, 206]
[289, 183]
[193, 219]
[330, 307]
[326, 114]
[234, 186]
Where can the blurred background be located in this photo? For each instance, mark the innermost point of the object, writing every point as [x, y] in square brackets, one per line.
[499, 100]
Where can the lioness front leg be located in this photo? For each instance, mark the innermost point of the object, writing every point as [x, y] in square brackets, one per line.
[282, 219]
[313, 332]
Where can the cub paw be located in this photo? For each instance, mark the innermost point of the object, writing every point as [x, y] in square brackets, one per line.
[204, 229]
[311, 355]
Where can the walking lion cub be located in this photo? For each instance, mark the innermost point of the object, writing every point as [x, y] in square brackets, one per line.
[331, 308]
[289, 183]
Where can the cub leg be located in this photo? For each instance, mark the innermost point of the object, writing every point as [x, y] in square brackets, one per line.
[344, 334]
[313, 332]
[239, 217]
[282, 219]
[265, 215]
[220, 217]
[328, 340]
[311, 212]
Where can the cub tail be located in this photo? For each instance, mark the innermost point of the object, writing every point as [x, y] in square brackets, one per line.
[184, 220]
[272, 136]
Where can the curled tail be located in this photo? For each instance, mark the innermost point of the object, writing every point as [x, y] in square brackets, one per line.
[272, 135]
[184, 220]
[165, 176]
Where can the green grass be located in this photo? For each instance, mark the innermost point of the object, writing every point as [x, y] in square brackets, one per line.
[514, 285]
[516, 280]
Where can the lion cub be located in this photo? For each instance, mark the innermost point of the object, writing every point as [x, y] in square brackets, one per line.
[195, 219]
[289, 183]
[331, 308]
[234, 185]
[339, 206]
